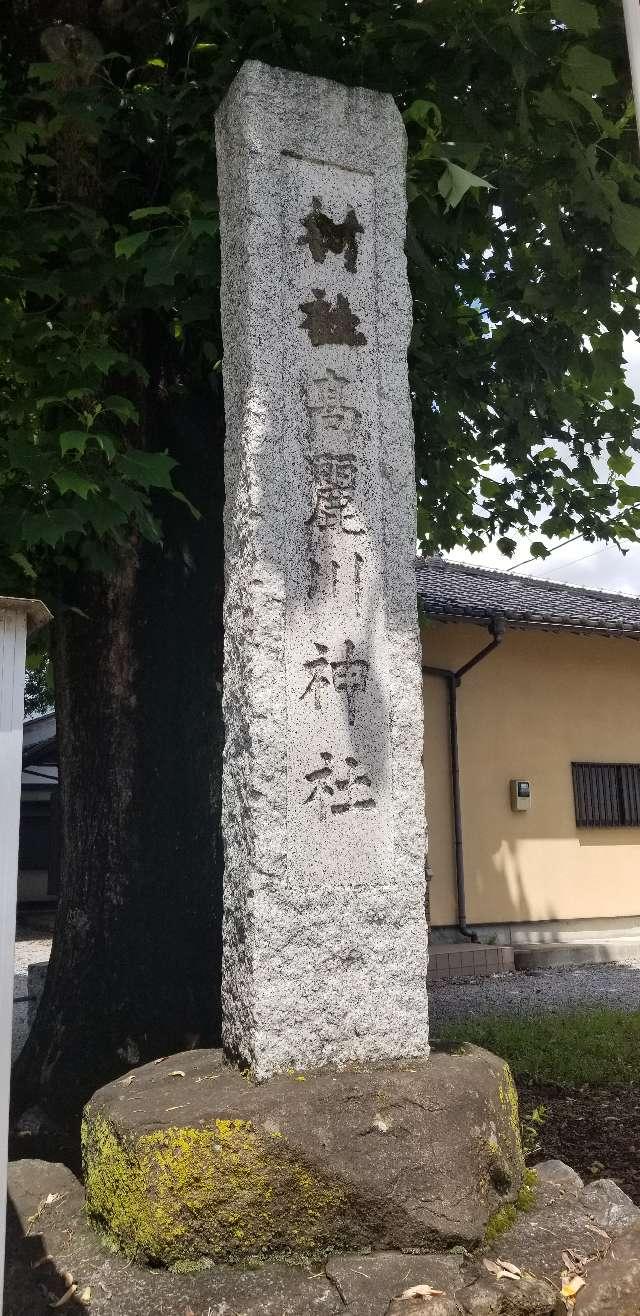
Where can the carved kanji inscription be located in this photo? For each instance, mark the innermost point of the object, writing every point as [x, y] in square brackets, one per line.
[325, 323]
[323, 235]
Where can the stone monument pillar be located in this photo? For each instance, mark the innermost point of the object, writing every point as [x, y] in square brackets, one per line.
[323, 811]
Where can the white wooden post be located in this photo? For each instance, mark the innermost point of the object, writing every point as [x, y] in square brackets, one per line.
[17, 616]
[632, 23]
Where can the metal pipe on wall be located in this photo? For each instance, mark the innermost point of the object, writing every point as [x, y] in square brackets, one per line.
[453, 679]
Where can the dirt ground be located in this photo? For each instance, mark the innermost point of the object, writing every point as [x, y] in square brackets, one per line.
[596, 1130]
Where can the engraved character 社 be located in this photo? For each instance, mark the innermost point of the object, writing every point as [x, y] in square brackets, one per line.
[334, 794]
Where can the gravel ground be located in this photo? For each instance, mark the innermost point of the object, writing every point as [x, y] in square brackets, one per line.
[542, 991]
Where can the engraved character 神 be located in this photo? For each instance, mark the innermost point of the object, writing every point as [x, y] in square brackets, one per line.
[318, 679]
[350, 675]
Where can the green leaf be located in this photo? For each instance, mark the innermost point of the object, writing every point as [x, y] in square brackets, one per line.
[625, 222]
[198, 9]
[45, 72]
[24, 564]
[583, 68]
[128, 246]
[149, 469]
[620, 463]
[538, 549]
[490, 488]
[156, 63]
[208, 226]
[552, 106]
[577, 14]
[71, 482]
[146, 211]
[73, 441]
[455, 182]
[106, 442]
[628, 493]
[120, 407]
[426, 113]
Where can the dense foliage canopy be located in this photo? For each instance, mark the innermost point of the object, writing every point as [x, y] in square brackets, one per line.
[524, 232]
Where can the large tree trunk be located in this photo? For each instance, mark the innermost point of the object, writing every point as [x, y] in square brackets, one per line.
[138, 671]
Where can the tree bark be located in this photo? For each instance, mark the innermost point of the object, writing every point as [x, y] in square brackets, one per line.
[135, 967]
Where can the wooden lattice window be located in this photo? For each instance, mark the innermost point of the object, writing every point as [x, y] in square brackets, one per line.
[606, 794]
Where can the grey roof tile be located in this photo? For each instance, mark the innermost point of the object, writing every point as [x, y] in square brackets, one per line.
[458, 592]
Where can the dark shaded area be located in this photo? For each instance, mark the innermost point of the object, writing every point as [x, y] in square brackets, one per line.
[594, 1129]
[324, 235]
[136, 958]
[32, 1281]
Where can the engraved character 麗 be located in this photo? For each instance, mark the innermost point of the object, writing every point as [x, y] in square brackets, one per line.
[334, 479]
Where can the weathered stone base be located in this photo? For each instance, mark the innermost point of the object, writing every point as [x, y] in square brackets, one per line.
[187, 1160]
[53, 1253]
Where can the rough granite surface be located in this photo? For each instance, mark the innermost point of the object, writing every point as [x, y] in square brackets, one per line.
[323, 812]
[187, 1160]
[54, 1256]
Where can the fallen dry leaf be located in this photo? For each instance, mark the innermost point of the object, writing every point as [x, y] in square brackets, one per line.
[573, 1263]
[509, 1266]
[421, 1291]
[571, 1285]
[85, 1296]
[502, 1269]
[177, 1073]
[126, 1082]
[66, 1297]
[46, 1201]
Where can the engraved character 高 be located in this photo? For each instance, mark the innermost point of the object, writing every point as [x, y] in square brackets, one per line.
[327, 402]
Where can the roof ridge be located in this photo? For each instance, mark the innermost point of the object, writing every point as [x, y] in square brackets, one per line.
[495, 573]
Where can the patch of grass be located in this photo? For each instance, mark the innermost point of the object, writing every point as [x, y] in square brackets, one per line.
[594, 1046]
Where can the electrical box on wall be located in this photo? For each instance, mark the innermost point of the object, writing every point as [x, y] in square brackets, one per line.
[520, 794]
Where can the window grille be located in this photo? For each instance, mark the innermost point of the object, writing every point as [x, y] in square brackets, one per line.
[606, 794]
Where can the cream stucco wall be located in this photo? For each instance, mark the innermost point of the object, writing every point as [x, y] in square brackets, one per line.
[535, 704]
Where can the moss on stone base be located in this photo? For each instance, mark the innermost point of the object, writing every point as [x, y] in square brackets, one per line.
[178, 1195]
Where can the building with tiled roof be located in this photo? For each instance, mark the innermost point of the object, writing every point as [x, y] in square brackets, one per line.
[532, 756]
